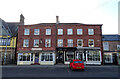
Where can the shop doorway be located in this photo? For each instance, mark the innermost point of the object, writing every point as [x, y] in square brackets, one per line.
[60, 57]
[36, 58]
[81, 55]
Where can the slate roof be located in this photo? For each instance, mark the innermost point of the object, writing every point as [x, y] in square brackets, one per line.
[9, 28]
[13, 27]
[111, 37]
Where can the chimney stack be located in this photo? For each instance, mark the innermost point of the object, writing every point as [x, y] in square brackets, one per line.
[57, 19]
[22, 19]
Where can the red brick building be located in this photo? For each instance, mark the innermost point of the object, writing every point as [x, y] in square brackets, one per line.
[52, 43]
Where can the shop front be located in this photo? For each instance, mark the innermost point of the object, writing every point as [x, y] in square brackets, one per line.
[119, 58]
[65, 55]
[89, 55]
[36, 57]
[110, 58]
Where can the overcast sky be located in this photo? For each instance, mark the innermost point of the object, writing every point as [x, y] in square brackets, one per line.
[69, 11]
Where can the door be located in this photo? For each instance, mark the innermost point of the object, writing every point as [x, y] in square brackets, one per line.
[80, 55]
[36, 57]
[60, 57]
[108, 58]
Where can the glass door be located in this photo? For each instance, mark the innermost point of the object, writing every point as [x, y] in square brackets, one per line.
[80, 55]
[36, 57]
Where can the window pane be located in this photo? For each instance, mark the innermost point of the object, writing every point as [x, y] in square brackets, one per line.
[36, 31]
[79, 31]
[69, 31]
[60, 31]
[26, 43]
[93, 56]
[60, 42]
[106, 45]
[47, 43]
[36, 43]
[48, 31]
[80, 42]
[90, 31]
[26, 32]
[70, 42]
[91, 43]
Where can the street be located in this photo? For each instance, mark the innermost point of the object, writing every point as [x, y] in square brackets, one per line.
[58, 71]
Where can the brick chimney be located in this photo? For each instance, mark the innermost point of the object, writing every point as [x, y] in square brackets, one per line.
[22, 19]
[57, 19]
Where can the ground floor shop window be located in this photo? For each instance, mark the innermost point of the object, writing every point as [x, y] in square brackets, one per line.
[93, 56]
[69, 55]
[47, 57]
[108, 57]
[24, 56]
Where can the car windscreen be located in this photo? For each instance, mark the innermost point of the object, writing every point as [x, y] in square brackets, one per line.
[78, 62]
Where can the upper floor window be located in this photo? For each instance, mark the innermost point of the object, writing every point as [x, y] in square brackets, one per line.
[47, 42]
[69, 31]
[48, 31]
[60, 42]
[60, 31]
[4, 42]
[36, 43]
[91, 42]
[70, 42]
[79, 32]
[36, 31]
[106, 45]
[26, 43]
[118, 47]
[26, 31]
[91, 31]
[79, 42]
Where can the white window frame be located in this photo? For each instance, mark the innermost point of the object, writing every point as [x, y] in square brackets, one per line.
[90, 31]
[106, 46]
[79, 40]
[60, 43]
[24, 42]
[35, 42]
[89, 43]
[48, 31]
[60, 31]
[36, 31]
[70, 42]
[79, 31]
[26, 31]
[69, 31]
[24, 54]
[47, 41]
[118, 47]
[47, 57]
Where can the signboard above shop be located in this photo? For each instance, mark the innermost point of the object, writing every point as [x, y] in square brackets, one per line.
[36, 49]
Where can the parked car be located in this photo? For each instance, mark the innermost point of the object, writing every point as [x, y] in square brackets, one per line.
[76, 64]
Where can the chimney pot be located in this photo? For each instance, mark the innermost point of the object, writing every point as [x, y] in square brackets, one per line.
[57, 19]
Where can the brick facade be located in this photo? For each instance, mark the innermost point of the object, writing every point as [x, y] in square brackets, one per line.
[97, 36]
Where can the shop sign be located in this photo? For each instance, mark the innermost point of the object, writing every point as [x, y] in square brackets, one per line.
[36, 49]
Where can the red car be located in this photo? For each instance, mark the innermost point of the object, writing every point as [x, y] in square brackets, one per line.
[76, 64]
